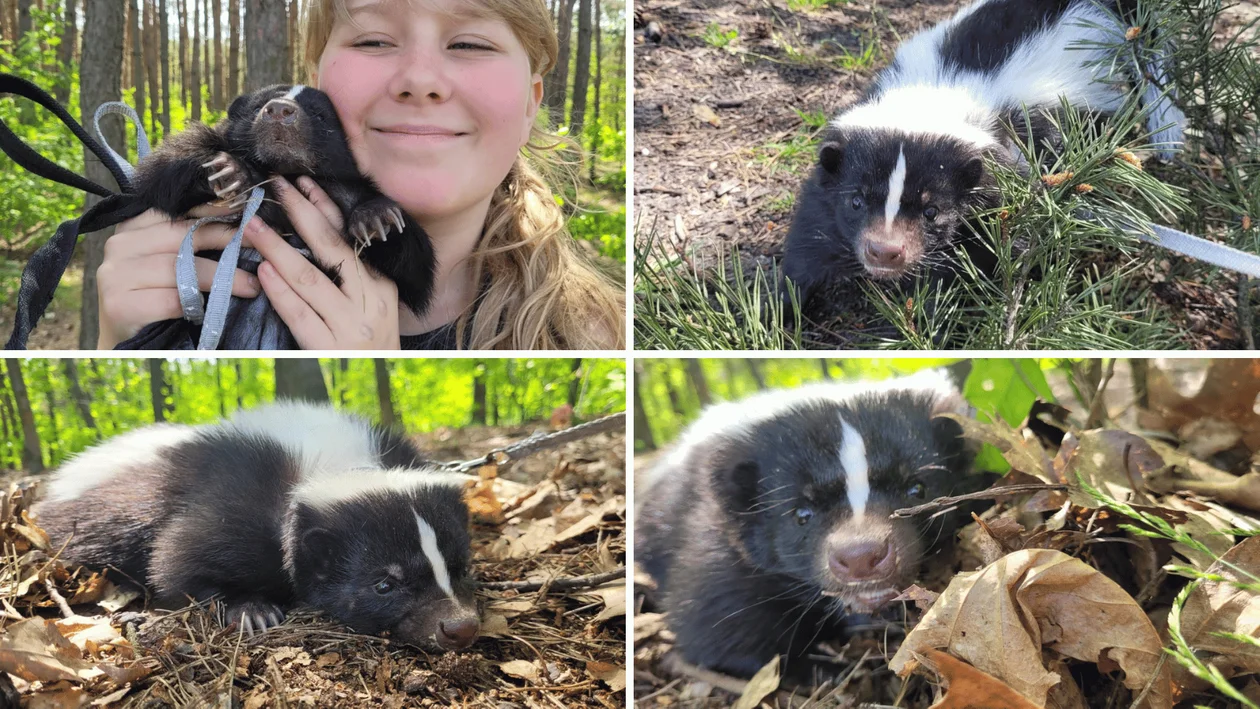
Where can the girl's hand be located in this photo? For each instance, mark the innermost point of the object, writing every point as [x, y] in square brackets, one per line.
[135, 283]
[361, 314]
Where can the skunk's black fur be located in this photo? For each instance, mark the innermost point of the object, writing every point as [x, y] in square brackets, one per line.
[290, 131]
[284, 504]
[768, 523]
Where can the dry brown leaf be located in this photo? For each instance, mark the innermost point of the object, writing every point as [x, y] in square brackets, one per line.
[1220, 607]
[613, 595]
[1228, 394]
[1000, 618]
[922, 597]
[521, 669]
[760, 686]
[35, 649]
[608, 673]
[61, 695]
[647, 626]
[1023, 455]
[494, 625]
[1100, 458]
[969, 688]
[706, 114]
[612, 506]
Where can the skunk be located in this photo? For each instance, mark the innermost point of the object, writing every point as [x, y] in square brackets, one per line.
[768, 523]
[291, 502]
[900, 172]
[290, 131]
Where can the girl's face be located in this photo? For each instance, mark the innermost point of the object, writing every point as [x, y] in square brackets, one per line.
[436, 96]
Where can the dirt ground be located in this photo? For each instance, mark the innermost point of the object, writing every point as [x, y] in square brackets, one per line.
[727, 103]
[548, 518]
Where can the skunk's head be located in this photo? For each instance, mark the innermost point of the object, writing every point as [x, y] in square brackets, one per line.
[812, 486]
[386, 551]
[897, 199]
[290, 130]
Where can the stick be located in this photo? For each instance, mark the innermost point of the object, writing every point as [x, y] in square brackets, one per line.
[561, 584]
[982, 495]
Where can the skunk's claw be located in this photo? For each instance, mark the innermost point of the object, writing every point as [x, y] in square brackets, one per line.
[374, 222]
[226, 179]
[254, 616]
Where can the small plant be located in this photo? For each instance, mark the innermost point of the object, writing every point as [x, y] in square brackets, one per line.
[715, 36]
[812, 5]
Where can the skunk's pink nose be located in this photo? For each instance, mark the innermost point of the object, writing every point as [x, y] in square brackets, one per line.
[281, 110]
[861, 560]
[885, 255]
[457, 634]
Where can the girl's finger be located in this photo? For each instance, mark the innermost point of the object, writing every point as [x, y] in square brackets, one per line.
[158, 271]
[299, 274]
[310, 331]
[319, 234]
[318, 197]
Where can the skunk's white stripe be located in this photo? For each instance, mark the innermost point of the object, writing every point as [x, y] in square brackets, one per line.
[131, 451]
[428, 544]
[896, 185]
[293, 92]
[330, 488]
[853, 460]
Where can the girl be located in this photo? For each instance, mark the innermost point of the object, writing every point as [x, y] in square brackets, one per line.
[438, 98]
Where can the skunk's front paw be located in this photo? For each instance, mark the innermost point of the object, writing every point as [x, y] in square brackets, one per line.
[253, 615]
[374, 220]
[228, 180]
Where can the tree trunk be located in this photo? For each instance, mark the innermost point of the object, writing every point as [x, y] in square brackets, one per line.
[23, 18]
[385, 394]
[754, 367]
[158, 389]
[343, 374]
[696, 375]
[582, 73]
[82, 401]
[217, 18]
[66, 50]
[32, 455]
[50, 400]
[151, 52]
[194, 84]
[621, 72]
[599, 80]
[183, 53]
[137, 57]
[300, 379]
[826, 370]
[100, 77]
[164, 55]
[642, 430]
[575, 382]
[554, 93]
[479, 396]
[291, 54]
[207, 67]
[234, 49]
[265, 22]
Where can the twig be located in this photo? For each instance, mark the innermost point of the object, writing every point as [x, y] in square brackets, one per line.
[1150, 682]
[562, 584]
[56, 596]
[1097, 409]
[993, 493]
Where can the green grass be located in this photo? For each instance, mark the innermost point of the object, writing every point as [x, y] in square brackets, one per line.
[715, 36]
[810, 5]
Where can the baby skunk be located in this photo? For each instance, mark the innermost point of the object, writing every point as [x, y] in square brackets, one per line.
[900, 172]
[290, 131]
[769, 520]
[286, 503]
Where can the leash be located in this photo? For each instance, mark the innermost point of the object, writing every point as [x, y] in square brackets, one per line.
[538, 442]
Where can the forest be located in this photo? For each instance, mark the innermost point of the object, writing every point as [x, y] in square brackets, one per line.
[179, 61]
[51, 409]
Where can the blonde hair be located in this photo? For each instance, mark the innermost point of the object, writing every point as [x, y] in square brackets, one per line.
[541, 292]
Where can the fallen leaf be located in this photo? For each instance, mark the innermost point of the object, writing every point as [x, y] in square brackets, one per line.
[647, 626]
[520, 669]
[968, 688]
[613, 594]
[494, 625]
[760, 686]
[706, 114]
[608, 673]
[1002, 618]
[35, 649]
[612, 506]
[1023, 455]
[1220, 607]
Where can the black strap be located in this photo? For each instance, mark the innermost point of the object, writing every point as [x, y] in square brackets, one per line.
[48, 264]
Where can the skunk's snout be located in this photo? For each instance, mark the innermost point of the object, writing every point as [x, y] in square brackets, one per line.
[885, 255]
[457, 633]
[858, 559]
[280, 110]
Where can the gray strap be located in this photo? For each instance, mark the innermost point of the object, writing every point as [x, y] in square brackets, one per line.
[1204, 250]
[214, 315]
[142, 140]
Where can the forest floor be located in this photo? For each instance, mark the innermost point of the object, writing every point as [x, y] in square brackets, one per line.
[727, 108]
[556, 514]
[1195, 423]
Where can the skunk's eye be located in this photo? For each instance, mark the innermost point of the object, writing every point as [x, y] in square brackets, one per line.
[803, 515]
[930, 213]
[917, 491]
[858, 202]
[384, 586]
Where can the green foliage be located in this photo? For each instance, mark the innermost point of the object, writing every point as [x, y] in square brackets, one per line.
[604, 230]
[715, 36]
[808, 5]
[1004, 389]
[426, 394]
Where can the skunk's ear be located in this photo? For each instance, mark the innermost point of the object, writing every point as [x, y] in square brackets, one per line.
[319, 548]
[970, 173]
[736, 485]
[831, 156]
